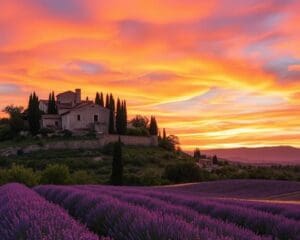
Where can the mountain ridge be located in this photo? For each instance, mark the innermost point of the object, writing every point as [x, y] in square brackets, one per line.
[259, 155]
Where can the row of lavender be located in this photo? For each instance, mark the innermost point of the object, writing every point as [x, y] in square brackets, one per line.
[202, 222]
[26, 215]
[109, 216]
[281, 221]
[239, 188]
[135, 213]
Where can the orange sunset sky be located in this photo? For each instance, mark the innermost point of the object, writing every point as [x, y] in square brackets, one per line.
[217, 74]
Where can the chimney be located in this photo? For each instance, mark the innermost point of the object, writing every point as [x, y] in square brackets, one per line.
[78, 95]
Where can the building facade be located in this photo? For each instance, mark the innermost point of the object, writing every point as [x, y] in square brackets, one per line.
[74, 114]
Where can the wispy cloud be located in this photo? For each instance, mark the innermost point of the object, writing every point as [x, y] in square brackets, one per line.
[214, 72]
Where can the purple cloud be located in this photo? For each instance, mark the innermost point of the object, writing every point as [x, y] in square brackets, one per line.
[85, 67]
[74, 10]
[8, 89]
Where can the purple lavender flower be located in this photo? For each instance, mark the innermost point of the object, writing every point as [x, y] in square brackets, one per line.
[26, 215]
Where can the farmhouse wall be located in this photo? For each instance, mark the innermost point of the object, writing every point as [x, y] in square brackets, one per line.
[51, 121]
[66, 97]
[43, 106]
[83, 118]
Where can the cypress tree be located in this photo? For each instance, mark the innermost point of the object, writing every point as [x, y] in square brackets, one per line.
[107, 103]
[215, 159]
[197, 154]
[97, 99]
[101, 100]
[54, 103]
[117, 164]
[34, 114]
[153, 126]
[49, 104]
[119, 117]
[159, 136]
[111, 127]
[164, 134]
[124, 110]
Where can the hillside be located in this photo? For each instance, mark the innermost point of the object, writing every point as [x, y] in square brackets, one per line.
[264, 155]
[142, 165]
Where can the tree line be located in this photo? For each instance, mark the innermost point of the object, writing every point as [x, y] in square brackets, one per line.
[118, 117]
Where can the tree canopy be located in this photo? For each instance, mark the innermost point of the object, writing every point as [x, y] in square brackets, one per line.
[34, 113]
[15, 121]
[197, 154]
[121, 117]
[153, 129]
[140, 121]
[52, 109]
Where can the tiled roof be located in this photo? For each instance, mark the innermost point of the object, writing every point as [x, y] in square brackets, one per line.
[50, 116]
[65, 92]
[64, 105]
[82, 105]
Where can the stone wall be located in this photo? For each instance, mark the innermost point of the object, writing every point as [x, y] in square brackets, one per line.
[129, 140]
[82, 144]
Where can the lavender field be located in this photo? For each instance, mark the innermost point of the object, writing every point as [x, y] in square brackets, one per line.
[141, 213]
[245, 189]
[26, 215]
[137, 213]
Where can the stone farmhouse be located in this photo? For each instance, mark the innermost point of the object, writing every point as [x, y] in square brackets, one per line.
[75, 114]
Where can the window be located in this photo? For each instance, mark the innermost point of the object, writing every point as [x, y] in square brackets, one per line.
[78, 117]
[95, 118]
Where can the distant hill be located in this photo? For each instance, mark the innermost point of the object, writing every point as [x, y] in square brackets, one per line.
[263, 155]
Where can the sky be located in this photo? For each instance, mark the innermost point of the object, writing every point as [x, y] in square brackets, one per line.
[218, 74]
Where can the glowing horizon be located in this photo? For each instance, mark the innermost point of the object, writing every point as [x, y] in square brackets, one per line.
[218, 74]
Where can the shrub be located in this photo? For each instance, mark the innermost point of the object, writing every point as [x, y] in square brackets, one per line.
[20, 152]
[151, 177]
[132, 179]
[185, 172]
[91, 134]
[56, 174]
[5, 132]
[3, 176]
[139, 131]
[16, 122]
[45, 131]
[19, 138]
[21, 175]
[108, 149]
[140, 121]
[82, 177]
[169, 143]
[66, 133]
